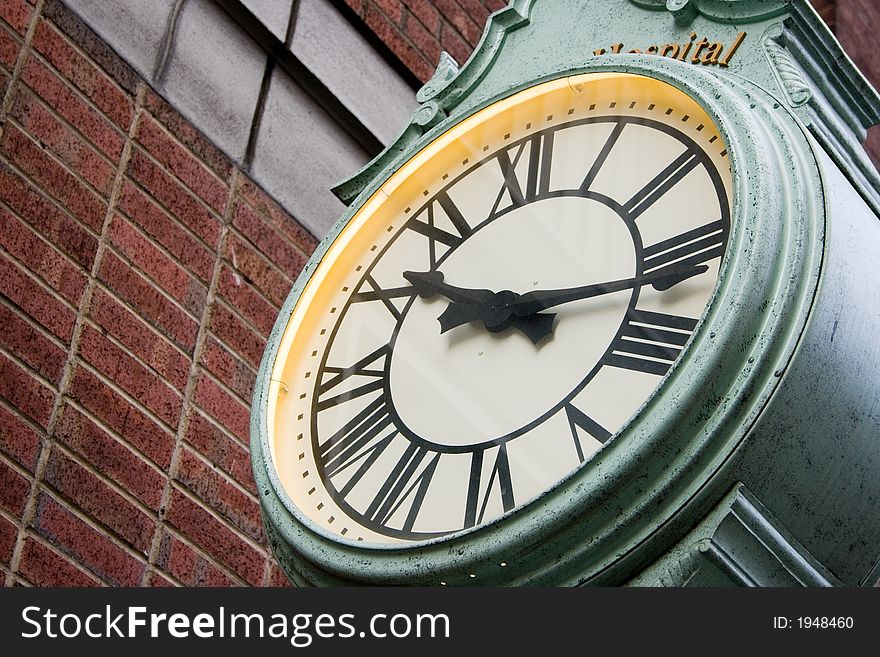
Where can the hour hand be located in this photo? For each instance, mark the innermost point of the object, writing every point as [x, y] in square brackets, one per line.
[478, 305]
[430, 283]
[535, 327]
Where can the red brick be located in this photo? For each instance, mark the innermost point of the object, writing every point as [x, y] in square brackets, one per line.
[223, 407]
[70, 148]
[230, 369]
[165, 230]
[249, 303]
[14, 490]
[89, 79]
[53, 178]
[164, 271]
[25, 392]
[221, 450]
[187, 566]
[872, 145]
[18, 440]
[91, 495]
[495, 5]
[206, 531]
[28, 295]
[476, 11]
[278, 219]
[454, 44]
[426, 12]
[184, 131]
[140, 339]
[182, 164]
[210, 486]
[268, 239]
[389, 34]
[466, 27]
[135, 428]
[393, 9]
[150, 303]
[242, 339]
[43, 566]
[8, 537]
[94, 46]
[85, 544]
[160, 581]
[175, 198]
[9, 48]
[258, 271]
[16, 13]
[277, 578]
[423, 40]
[21, 241]
[51, 223]
[110, 457]
[139, 382]
[31, 346]
[67, 102]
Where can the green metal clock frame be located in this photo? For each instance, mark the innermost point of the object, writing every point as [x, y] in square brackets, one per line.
[701, 461]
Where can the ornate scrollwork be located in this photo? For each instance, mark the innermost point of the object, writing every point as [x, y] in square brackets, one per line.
[786, 70]
[724, 11]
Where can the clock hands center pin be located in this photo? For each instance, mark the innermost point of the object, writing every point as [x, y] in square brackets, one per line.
[507, 309]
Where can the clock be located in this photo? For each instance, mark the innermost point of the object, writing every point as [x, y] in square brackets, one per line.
[587, 321]
[500, 308]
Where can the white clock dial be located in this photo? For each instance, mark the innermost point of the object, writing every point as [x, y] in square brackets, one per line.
[498, 314]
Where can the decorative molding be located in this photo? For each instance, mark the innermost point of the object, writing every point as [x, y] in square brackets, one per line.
[423, 119]
[684, 11]
[787, 73]
[500, 24]
[738, 543]
[447, 69]
[722, 11]
[441, 94]
[751, 548]
[842, 105]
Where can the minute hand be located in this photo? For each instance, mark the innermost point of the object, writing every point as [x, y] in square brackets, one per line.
[534, 302]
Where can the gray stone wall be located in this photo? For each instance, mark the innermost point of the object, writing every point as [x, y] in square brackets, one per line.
[288, 89]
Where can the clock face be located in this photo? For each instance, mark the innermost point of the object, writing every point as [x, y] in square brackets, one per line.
[499, 309]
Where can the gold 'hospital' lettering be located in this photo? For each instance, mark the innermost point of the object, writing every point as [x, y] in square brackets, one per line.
[703, 52]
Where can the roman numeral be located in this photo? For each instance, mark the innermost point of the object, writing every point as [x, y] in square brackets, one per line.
[408, 478]
[360, 368]
[686, 250]
[537, 182]
[577, 418]
[540, 160]
[662, 183]
[435, 234]
[650, 342]
[602, 156]
[475, 507]
[360, 440]
[385, 296]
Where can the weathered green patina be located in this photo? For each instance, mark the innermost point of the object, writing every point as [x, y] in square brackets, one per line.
[768, 425]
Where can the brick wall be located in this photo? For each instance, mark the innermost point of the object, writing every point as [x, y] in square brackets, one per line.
[857, 23]
[417, 31]
[140, 273]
